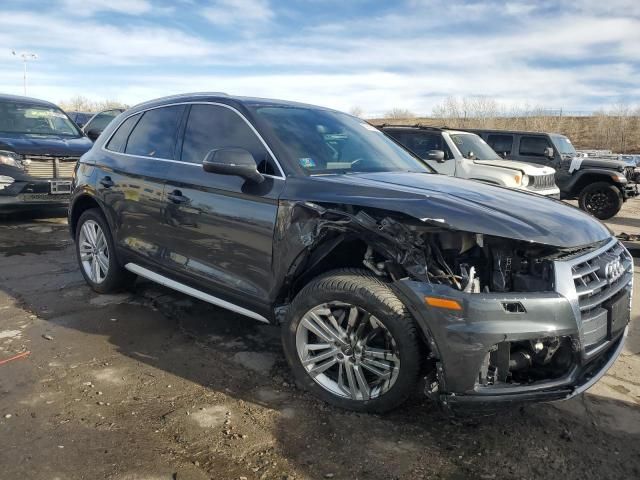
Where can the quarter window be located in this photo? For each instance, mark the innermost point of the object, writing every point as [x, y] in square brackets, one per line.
[211, 127]
[533, 146]
[502, 144]
[118, 142]
[155, 133]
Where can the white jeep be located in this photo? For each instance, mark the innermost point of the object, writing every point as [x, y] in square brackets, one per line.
[466, 155]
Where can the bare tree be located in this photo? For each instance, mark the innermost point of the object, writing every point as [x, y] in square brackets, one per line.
[399, 114]
[79, 103]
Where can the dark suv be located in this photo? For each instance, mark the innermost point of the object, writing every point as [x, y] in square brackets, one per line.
[600, 185]
[379, 271]
[39, 148]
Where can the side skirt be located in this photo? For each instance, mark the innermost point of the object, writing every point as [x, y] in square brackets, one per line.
[181, 287]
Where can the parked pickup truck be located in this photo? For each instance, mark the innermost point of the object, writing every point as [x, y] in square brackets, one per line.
[466, 155]
[601, 186]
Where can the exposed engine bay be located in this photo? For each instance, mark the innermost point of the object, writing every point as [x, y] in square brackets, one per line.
[426, 250]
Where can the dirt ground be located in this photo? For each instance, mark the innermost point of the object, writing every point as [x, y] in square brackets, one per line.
[155, 385]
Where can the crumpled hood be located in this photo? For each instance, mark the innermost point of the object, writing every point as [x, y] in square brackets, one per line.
[531, 170]
[58, 146]
[459, 204]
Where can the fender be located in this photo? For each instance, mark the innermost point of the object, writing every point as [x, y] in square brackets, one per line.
[602, 174]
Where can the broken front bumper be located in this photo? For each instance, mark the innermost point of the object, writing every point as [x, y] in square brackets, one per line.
[461, 339]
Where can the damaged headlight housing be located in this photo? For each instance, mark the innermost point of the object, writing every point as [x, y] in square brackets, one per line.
[11, 159]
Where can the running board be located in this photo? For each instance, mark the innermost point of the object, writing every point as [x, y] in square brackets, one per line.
[181, 287]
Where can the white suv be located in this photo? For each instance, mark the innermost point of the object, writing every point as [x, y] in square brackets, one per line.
[466, 155]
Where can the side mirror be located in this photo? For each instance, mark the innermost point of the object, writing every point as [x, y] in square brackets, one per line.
[548, 152]
[232, 161]
[437, 155]
[93, 133]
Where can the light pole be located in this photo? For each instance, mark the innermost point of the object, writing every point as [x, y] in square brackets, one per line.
[25, 57]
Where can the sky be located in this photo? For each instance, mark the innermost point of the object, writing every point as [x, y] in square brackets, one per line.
[578, 55]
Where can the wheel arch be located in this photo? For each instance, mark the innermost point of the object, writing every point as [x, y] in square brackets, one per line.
[80, 205]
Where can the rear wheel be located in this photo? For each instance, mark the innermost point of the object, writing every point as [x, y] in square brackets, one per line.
[601, 199]
[96, 254]
[352, 342]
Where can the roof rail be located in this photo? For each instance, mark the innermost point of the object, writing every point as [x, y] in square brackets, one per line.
[183, 95]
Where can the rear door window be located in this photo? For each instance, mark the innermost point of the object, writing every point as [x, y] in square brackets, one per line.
[210, 127]
[155, 133]
[502, 144]
[118, 142]
[533, 146]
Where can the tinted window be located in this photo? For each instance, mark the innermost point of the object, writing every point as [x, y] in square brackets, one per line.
[119, 140]
[210, 127]
[502, 144]
[155, 133]
[533, 146]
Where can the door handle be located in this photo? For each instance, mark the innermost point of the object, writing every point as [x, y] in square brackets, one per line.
[106, 182]
[177, 197]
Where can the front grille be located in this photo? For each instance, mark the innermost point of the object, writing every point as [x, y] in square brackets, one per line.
[41, 166]
[543, 182]
[630, 173]
[599, 281]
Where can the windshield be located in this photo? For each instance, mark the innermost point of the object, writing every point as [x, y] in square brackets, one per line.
[468, 143]
[30, 119]
[563, 145]
[322, 142]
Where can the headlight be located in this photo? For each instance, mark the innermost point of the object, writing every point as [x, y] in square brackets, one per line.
[10, 158]
[5, 181]
[618, 177]
[526, 180]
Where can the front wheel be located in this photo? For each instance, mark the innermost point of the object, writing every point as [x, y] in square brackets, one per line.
[601, 199]
[352, 342]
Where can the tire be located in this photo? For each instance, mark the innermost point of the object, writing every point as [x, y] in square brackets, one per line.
[601, 199]
[377, 309]
[111, 276]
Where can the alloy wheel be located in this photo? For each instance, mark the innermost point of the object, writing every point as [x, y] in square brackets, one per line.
[599, 202]
[94, 251]
[347, 351]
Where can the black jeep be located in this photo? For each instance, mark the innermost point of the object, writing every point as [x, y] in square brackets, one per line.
[601, 186]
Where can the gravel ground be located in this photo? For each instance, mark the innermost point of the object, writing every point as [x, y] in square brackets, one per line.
[155, 385]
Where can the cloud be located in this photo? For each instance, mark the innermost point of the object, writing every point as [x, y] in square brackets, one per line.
[89, 8]
[552, 54]
[239, 13]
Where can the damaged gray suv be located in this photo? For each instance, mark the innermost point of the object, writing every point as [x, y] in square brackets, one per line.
[381, 273]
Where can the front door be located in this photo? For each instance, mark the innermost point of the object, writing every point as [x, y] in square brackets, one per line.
[222, 226]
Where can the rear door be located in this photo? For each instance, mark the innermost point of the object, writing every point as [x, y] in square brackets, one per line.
[132, 176]
[221, 226]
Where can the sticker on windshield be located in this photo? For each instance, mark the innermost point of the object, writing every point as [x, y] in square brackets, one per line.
[371, 128]
[307, 162]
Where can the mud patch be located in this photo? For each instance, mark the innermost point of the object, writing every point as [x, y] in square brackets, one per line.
[104, 300]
